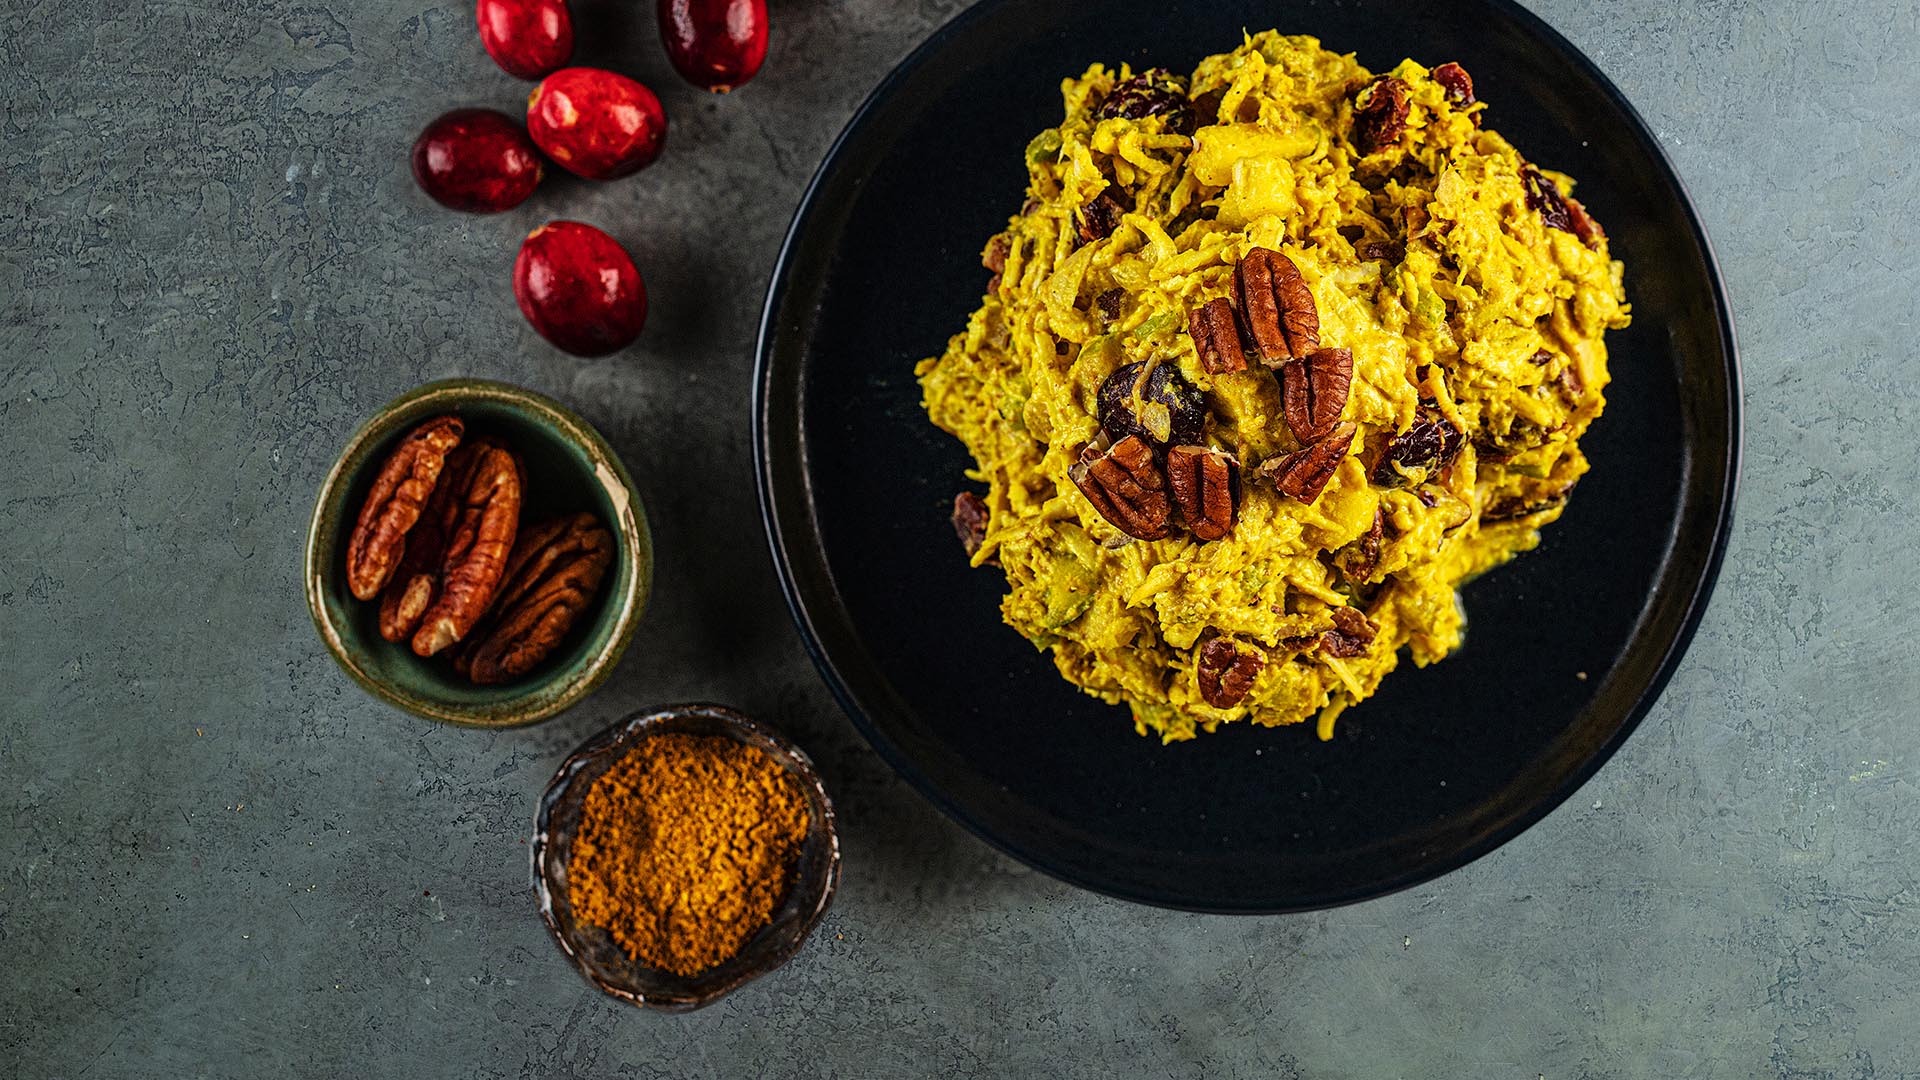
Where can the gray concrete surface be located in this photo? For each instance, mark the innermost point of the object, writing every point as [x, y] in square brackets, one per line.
[219, 859]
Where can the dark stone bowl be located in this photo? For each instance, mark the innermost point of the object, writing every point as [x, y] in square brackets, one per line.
[593, 951]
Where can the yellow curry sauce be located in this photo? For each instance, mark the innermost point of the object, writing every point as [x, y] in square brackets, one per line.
[1472, 291]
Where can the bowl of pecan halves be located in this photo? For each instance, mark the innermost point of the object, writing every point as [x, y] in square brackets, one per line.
[478, 555]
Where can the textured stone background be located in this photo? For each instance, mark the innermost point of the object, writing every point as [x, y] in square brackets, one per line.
[220, 859]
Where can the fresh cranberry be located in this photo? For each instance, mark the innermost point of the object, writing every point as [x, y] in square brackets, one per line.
[595, 123]
[476, 160]
[579, 289]
[715, 44]
[527, 38]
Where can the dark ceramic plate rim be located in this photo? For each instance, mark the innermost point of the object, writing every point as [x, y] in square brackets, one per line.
[785, 548]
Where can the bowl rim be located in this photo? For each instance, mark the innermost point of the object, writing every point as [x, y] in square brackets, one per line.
[626, 732]
[630, 526]
[791, 533]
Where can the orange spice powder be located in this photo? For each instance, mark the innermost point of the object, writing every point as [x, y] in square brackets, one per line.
[685, 849]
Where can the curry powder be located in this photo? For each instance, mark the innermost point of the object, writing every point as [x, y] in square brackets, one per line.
[685, 849]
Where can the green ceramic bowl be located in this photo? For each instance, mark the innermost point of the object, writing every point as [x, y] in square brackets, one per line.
[568, 468]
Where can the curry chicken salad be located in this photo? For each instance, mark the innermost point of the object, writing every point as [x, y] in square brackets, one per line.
[1273, 359]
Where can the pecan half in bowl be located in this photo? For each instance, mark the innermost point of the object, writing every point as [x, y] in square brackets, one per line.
[565, 467]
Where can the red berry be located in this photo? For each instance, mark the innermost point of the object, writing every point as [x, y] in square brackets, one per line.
[476, 160]
[715, 44]
[527, 38]
[595, 123]
[579, 289]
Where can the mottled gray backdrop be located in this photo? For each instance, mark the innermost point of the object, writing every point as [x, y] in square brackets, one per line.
[218, 858]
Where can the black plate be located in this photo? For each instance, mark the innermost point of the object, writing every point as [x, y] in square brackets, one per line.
[1446, 763]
